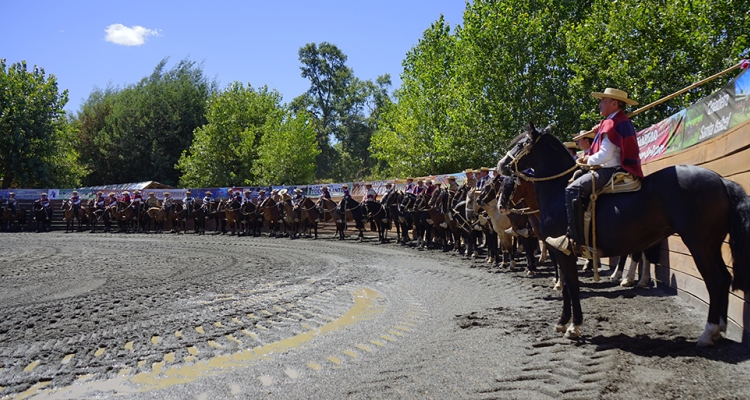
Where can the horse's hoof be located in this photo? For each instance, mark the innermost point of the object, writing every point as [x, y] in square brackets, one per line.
[626, 283]
[530, 272]
[643, 284]
[558, 286]
[560, 328]
[572, 333]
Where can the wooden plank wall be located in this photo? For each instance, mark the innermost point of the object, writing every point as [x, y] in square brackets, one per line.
[728, 155]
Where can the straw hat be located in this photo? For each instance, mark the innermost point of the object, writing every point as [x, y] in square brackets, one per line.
[208, 194]
[150, 193]
[297, 190]
[368, 184]
[111, 194]
[324, 188]
[616, 94]
[469, 171]
[484, 169]
[451, 178]
[388, 184]
[12, 194]
[247, 191]
[410, 179]
[126, 193]
[571, 145]
[584, 134]
[261, 191]
[283, 191]
[137, 192]
[166, 194]
[188, 192]
[438, 184]
[99, 193]
[345, 186]
[44, 194]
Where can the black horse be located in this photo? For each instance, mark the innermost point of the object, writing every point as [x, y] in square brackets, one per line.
[696, 203]
[42, 216]
[357, 211]
[378, 214]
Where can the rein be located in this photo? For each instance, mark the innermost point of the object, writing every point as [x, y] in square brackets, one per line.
[514, 163]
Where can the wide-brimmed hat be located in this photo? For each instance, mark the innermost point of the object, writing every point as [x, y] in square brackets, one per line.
[166, 194]
[451, 178]
[247, 191]
[388, 184]
[110, 194]
[283, 191]
[584, 134]
[44, 194]
[12, 194]
[261, 191]
[615, 94]
[297, 190]
[345, 186]
[368, 184]
[469, 171]
[125, 193]
[429, 182]
[410, 179]
[150, 193]
[324, 188]
[208, 193]
[99, 193]
[476, 171]
[188, 192]
[438, 183]
[137, 192]
[484, 169]
[571, 145]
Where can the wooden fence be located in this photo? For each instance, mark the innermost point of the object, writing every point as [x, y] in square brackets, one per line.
[728, 155]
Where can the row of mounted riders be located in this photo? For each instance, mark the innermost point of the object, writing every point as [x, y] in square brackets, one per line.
[447, 219]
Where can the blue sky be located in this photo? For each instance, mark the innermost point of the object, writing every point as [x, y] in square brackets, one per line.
[248, 41]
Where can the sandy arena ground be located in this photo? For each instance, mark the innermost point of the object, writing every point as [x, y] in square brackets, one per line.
[168, 316]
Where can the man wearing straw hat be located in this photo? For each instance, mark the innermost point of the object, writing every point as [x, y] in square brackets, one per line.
[614, 148]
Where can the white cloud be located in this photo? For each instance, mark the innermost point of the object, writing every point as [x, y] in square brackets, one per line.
[128, 36]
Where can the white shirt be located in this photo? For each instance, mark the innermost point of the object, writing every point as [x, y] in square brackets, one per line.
[608, 155]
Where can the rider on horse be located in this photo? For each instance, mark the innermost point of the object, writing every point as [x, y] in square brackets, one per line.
[324, 194]
[370, 193]
[75, 203]
[126, 197]
[99, 201]
[152, 201]
[188, 202]
[615, 148]
[484, 177]
[45, 203]
[137, 200]
[168, 203]
[12, 202]
[347, 196]
[409, 185]
[297, 201]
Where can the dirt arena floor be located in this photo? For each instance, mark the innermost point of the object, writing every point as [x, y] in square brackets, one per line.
[205, 317]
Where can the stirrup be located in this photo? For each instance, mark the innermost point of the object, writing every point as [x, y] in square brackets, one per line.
[443, 225]
[562, 243]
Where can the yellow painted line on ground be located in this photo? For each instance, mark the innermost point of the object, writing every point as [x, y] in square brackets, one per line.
[199, 329]
[178, 333]
[100, 352]
[32, 390]
[350, 353]
[401, 328]
[252, 316]
[141, 363]
[313, 366]
[291, 373]
[157, 366]
[388, 338]
[261, 327]
[234, 339]
[155, 339]
[218, 324]
[365, 348]
[169, 357]
[124, 371]
[67, 358]
[306, 326]
[334, 360]
[31, 366]
[377, 343]
[248, 333]
[192, 350]
[129, 346]
[265, 312]
[216, 345]
[265, 380]
[188, 358]
[279, 309]
[395, 332]
[236, 321]
[408, 324]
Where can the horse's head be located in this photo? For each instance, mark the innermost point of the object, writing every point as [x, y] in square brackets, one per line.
[527, 149]
[488, 193]
[507, 192]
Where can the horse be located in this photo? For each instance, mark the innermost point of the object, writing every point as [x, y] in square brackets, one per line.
[70, 214]
[250, 220]
[157, 215]
[17, 218]
[487, 200]
[272, 216]
[390, 203]
[42, 216]
[309, 214]
[232, 214]
[94, 215]
[666, 204]
[409, 218]
[124, 214]
[289, 214]
[378, 214]
[355, 210]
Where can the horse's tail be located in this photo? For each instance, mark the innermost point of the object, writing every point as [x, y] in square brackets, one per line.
[739, 234]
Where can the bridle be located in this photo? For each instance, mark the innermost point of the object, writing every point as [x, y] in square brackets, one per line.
[524, 152]
[512, 209]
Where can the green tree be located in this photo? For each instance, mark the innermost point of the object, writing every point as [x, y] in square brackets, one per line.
[653, 48]
[338, 101]
[143, 129]
[34, 129]
[287, 152]
[224, 150]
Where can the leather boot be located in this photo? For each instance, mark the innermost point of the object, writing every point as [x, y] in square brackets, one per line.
[573, 207]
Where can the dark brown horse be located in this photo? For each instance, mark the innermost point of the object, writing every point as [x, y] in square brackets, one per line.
[11, 218]
[666, 204]
[70, 215]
